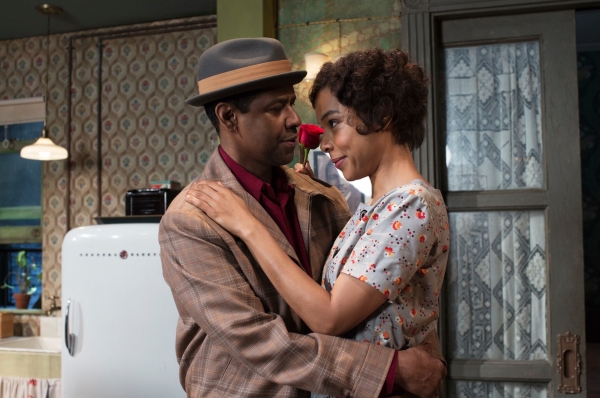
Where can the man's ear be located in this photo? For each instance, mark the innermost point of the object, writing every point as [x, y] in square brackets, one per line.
[226, 113]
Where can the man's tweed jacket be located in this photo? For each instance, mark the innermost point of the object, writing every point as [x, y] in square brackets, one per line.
[236, 336]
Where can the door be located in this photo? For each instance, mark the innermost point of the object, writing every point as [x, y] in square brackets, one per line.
[506, 105]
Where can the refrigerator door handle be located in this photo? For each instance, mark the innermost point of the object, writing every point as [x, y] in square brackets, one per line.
[69, 337]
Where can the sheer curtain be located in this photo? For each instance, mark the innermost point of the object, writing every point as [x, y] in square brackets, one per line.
[493, 120]
[497, 285]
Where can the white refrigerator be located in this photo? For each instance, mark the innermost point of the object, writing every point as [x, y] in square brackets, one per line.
[118, 313]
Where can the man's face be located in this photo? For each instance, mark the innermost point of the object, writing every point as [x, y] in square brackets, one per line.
[268, 132]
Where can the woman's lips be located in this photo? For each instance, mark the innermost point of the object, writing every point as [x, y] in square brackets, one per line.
[337, 162]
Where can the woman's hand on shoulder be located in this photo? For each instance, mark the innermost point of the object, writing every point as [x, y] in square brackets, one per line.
[222, 205]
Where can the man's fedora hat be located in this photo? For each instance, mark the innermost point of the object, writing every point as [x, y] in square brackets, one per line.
[241, 65]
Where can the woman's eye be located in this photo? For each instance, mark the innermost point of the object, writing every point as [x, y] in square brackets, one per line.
[333, 123]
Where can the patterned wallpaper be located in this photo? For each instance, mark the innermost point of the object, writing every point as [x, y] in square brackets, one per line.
[358, 33]
[588, 64]
[147, 131]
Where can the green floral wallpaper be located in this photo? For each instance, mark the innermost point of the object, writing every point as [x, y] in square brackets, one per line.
[354, 28]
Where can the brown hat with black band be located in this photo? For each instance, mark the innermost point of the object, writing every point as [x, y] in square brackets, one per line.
[241, 65]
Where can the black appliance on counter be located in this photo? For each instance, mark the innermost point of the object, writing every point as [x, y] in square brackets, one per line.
[149, 201]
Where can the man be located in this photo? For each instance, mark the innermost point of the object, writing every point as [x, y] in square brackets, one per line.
[236, 336]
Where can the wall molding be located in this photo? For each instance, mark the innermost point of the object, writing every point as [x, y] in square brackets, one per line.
[22, 110]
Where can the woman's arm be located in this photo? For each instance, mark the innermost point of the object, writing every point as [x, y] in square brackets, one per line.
[333, 313]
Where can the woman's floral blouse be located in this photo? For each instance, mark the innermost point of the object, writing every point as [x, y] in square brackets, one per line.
[400, 247]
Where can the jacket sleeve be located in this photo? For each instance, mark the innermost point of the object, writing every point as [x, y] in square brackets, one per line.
[206, 272]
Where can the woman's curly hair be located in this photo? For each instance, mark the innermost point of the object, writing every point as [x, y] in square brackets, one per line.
[381, 87]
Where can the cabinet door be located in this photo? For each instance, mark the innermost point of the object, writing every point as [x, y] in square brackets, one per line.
[512, 183]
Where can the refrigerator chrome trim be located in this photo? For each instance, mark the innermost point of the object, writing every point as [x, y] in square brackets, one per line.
[69, 337]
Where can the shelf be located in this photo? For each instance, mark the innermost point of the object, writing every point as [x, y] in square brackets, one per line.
[23, 312]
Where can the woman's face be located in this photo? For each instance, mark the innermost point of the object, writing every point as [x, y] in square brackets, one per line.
[356, 155]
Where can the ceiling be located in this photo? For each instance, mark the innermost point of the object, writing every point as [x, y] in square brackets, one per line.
[18, 18]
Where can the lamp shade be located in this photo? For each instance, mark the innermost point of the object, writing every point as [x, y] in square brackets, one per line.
[44, 149]
[314, 62]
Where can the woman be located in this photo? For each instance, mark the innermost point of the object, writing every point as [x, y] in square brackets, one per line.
[383, 275]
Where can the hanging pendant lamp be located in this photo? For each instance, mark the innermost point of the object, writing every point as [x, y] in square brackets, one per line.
[44, 148]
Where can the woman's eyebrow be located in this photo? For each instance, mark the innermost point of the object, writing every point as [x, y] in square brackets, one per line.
[329, 113]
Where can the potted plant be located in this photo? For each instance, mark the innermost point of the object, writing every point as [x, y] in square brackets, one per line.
[24, 275]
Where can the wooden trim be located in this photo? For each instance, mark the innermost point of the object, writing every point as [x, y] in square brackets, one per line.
[25, 110]
[417, 44]
[496, 200]
[21, 213]
[21, 312]
[519, 371]
[21, 234]
[269, 18]
[470, 8]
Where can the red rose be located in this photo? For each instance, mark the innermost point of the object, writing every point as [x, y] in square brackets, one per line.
[309, 137]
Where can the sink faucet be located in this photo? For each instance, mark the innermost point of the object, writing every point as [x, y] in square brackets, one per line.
[53, 306]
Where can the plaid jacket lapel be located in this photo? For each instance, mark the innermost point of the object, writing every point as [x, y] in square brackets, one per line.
[217, 170]
[315, 218]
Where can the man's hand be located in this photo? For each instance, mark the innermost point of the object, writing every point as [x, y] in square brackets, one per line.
[419, 373]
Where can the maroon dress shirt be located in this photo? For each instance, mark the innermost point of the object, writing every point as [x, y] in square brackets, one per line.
[277, 198]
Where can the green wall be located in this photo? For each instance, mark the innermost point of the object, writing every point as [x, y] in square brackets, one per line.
[354, 29]
[245, 18]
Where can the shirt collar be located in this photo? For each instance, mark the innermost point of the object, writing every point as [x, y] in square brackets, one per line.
[252, 184]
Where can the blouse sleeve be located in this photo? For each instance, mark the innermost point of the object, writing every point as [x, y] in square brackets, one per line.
[397, 237]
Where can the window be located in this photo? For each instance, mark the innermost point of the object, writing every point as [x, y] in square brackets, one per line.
[20, 207]
[9, 268]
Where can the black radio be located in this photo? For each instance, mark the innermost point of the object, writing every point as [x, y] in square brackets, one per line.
[148, 201]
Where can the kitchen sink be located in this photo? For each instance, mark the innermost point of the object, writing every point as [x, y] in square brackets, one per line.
[31, 344]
